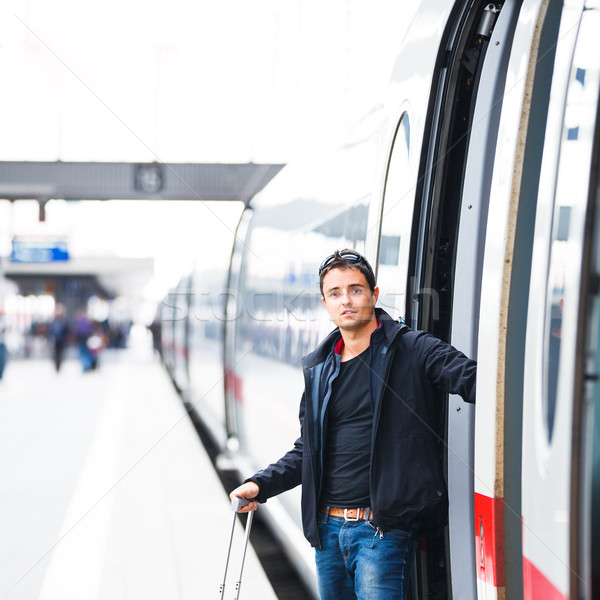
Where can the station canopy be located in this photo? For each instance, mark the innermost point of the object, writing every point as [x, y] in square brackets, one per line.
[76, 181]
[144, 181]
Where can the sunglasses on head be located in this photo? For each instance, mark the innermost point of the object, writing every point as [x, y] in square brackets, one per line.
[348, 255]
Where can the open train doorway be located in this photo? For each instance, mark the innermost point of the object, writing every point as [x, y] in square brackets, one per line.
[430, 255]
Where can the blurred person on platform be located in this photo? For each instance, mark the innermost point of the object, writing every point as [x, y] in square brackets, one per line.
[3, 349]
[59, 332]
[95, 343]
[156, 330]
[83, 331]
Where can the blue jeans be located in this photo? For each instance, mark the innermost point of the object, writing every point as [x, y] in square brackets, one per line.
[357, 561]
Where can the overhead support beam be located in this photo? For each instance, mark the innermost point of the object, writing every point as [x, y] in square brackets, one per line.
[132, 181]
[42, 208]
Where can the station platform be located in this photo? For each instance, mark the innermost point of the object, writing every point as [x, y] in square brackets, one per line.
[106, 491]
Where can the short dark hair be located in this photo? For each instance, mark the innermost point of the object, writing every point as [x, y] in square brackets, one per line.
[337, 261]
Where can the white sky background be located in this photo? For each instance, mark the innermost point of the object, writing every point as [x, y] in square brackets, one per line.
[183, 81]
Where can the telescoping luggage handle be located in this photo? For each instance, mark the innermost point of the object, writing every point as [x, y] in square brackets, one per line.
[236, 505]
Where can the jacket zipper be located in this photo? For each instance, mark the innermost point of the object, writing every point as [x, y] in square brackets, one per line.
[377, 407]
[321, 417]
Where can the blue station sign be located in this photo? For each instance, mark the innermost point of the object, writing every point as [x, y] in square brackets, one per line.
[39, 251]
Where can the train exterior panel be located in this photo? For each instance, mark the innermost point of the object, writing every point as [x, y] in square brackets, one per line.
[556, 547]
[499, 260]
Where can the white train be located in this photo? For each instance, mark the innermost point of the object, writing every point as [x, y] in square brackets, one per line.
[475, 196]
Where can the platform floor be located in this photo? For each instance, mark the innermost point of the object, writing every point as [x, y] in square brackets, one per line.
[105, 489]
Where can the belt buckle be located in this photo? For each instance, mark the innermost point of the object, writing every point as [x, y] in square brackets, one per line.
[347, 518]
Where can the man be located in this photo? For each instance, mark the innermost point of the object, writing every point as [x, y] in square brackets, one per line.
[59, 331]
[367, 457]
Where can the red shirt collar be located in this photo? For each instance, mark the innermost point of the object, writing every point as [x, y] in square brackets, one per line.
[340, 342]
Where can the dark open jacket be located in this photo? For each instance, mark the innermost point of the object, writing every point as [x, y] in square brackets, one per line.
[408, 369]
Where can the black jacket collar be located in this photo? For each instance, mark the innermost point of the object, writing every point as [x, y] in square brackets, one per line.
[389, 329]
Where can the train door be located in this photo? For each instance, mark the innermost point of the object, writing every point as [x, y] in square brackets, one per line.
[444, 265]
[233, 311]
[585, 536]
[588, 376]
[167, 317]
[560, 432]
[181, 324]
[523, 188]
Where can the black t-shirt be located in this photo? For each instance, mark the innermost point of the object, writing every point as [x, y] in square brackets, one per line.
[348, 442]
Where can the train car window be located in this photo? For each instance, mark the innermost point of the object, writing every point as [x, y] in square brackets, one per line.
[396, 224]
[283, 318]
[556, 297]
[565, 243]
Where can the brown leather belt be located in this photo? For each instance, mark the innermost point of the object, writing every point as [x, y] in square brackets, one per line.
[350, 514]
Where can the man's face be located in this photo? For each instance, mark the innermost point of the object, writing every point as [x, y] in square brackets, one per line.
[348, 299]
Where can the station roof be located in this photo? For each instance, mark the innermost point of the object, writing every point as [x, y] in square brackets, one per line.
[45, 181]
[131, 181]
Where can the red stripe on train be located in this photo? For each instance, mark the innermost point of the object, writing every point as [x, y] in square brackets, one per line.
[536, 586]
[489, 539]
[234, 385]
